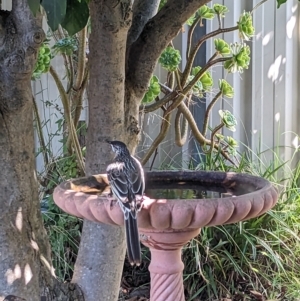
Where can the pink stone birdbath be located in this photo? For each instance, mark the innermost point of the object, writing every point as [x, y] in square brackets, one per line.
[166, 225]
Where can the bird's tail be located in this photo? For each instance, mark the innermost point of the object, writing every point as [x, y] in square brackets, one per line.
[133, 240]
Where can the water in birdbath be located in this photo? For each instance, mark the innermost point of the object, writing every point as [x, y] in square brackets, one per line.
[185, 190]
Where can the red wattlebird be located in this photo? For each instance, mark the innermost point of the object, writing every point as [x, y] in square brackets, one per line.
[126, 178]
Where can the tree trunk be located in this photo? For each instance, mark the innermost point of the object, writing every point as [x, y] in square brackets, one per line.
[99, 264]
[25, 263]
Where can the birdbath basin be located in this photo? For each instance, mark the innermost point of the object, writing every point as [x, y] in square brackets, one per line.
[166, 225]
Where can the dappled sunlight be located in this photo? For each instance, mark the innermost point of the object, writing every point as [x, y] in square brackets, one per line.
[277, 117]
[295, 142]
[273, 72]
[19, 219]
[34, 245]
[267, 38]
[27, 273]
[47, 265]
[13, 275]
[290, 26]
[147, 202]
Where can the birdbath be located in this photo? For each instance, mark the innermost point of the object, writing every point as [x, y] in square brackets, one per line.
[166, 225]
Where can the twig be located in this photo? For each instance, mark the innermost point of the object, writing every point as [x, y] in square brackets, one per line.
[70, 124]
[208, 110]
[40, 131]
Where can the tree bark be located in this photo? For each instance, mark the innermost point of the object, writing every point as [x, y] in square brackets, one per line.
[25, 263]
[99, 264]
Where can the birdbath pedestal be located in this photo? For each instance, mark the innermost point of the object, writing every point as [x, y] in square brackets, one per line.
[166, 225]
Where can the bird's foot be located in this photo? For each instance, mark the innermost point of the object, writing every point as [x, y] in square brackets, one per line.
[140, 201]
[112, 200]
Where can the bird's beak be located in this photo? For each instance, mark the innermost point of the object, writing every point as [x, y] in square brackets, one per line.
[108, 141]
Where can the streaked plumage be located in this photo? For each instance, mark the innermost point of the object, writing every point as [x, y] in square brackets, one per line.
[126, 177]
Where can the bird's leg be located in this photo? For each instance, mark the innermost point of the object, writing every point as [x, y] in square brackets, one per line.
[140, 201]
[112, 199]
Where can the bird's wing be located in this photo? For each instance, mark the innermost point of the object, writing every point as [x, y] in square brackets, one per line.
[137, 179]
[118, 180]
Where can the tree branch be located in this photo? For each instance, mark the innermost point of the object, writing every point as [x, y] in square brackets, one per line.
[197, 134]
[166, 122]
[181, 131]
[143, 11]
[162, 29]
[208, 110]
[22, 14]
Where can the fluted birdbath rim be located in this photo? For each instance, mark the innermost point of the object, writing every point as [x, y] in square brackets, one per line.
[79, 197]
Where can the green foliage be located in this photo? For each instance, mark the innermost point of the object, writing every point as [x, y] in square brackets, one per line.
[162, 4]
[153, 90]
[203, 84]
[56, 11]
[64, 230]
[222, 47]
[170, 58]
[206, 12]
[220, 10]
[240, 59]
[64, 233]
[280, 2]
[76, 17]
[191, 20]
[228, 119]
[72, 15]
[34, 6]
[66, 45]
[43, 62]
[226, 88]
[245, 26]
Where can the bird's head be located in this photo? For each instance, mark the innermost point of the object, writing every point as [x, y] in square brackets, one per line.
[118, 147]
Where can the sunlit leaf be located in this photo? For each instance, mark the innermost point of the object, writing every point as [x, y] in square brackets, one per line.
[56, 11]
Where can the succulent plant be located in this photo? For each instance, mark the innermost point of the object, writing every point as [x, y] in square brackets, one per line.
[228, 119]
[222, 47]
[43, 62]
[153, 90]
[170, 58]
[245, 26]
[240, 58]
[226, 88]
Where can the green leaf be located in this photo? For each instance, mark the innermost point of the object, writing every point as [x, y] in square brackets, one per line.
[76, 17]
[56, 11]
[279, 2]
[34, 6]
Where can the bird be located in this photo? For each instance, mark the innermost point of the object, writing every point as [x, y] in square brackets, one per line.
[127, 183]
